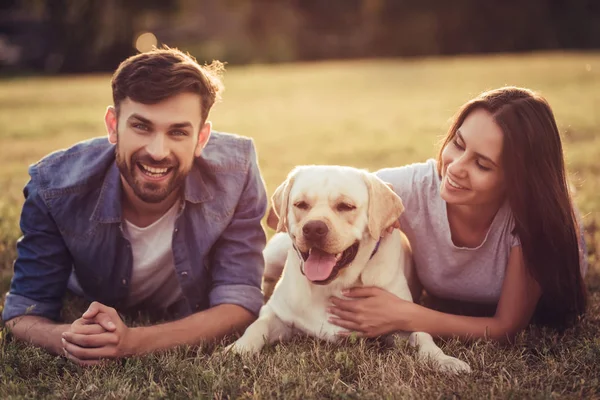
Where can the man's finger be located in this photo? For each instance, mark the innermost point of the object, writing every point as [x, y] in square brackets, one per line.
[96, 308]
[87, 354]
[92, 310]
[87, 327]
[98, 340]
[105, 321]
[104, 315]
[83, 363]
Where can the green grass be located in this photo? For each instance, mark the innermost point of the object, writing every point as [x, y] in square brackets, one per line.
[368, 114]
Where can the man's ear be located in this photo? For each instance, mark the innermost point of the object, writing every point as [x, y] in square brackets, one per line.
[110, 120]
[203, 136]
[281, 199]
[385, 206]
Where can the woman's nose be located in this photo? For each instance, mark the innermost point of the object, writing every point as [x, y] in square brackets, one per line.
[458, 166]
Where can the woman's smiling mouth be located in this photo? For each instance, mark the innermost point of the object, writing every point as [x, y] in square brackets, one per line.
[453, 184]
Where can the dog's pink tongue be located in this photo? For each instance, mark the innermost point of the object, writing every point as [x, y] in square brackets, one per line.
[319, 265]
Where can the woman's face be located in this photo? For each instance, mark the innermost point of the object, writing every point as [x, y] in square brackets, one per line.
[472, 172]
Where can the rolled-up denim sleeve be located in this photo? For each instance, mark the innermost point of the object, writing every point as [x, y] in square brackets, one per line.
[237, 262]
[43, 264]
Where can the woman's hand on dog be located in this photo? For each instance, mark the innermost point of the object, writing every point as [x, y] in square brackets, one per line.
[370, 312]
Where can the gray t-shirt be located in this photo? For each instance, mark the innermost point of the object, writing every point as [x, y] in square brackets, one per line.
[445, 270]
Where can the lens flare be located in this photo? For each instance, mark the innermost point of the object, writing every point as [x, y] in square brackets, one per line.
[145, 42]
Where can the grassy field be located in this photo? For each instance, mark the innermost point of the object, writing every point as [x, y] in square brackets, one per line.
[369, 114]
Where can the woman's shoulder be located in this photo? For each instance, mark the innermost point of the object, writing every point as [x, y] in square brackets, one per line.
[410, 173]
[419, 170]
[412, 181]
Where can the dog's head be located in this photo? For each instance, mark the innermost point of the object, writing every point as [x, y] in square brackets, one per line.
[331, 212]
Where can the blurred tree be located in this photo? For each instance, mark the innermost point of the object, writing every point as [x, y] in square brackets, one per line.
[90, 35]
[576, 22]
[93, 35]
[332, 27]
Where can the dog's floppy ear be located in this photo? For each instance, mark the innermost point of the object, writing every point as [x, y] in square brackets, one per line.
[272, 218]
[280, 200]
[385, 206]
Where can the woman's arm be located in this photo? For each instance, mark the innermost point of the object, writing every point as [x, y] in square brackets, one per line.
[374, 311]
[518, 299]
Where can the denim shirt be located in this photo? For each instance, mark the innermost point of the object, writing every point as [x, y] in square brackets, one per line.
[71, 221]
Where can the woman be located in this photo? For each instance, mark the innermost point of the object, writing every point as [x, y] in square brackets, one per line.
[491, 222]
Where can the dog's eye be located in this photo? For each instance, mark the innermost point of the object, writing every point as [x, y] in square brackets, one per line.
[301, 205]
[345, 207]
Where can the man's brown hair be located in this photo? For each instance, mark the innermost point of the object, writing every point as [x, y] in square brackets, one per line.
[151, 77]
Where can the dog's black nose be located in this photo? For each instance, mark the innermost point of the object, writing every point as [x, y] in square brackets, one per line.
[315, 231]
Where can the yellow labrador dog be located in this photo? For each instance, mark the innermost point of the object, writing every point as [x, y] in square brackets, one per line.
[331, 219]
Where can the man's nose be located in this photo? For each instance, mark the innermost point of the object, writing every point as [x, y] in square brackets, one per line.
[157, 148]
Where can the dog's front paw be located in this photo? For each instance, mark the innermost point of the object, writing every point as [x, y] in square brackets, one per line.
[452, 365]
[243, 347]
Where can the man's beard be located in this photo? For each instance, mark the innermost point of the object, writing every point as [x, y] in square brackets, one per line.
[147, 191]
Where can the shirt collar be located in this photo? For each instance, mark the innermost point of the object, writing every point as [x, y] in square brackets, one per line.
[196, 190]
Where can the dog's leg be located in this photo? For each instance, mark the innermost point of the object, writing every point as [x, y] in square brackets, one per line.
[268, 328]
[275, 254]
[428, 349]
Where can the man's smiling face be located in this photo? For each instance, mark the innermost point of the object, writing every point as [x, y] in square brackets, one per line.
[157, 143]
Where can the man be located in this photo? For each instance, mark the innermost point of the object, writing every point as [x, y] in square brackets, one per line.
[161, 216]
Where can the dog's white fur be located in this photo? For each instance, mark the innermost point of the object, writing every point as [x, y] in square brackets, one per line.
[314, 193]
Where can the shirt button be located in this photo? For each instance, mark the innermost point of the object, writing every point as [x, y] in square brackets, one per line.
[184, 273]
[124, 281]
[176, 229]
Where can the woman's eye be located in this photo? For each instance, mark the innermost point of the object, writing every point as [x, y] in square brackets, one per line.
[345, 207]
[457, 145]
[482, 167]
[302, 205]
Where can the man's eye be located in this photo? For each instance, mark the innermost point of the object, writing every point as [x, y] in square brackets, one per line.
[141, 127]
[345, 207]
[302, 205]
[178, 133]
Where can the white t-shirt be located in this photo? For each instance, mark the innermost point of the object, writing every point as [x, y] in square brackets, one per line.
[445, 270]
[153, 279]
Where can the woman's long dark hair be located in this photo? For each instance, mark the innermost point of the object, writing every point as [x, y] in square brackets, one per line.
[539, 197]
